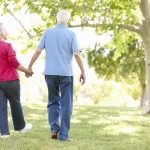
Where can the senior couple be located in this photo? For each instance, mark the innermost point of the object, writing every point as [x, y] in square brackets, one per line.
[60, 44]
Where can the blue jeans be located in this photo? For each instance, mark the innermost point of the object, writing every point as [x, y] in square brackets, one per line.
[60, 103]
[10, 90]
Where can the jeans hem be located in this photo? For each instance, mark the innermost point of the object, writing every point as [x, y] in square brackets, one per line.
[19, 128]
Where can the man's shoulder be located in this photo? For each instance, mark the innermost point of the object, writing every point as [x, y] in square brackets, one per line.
[49, 29]
[72, 33]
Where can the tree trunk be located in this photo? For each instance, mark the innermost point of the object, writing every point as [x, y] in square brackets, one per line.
[143, 95]
[147, 62]
[145, 34]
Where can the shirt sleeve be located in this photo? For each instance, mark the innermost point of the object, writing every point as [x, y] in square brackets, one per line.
[75, 44]
[42, 41]
[12, 57]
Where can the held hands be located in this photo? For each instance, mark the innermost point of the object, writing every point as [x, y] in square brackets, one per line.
[82, 78]
[29, 73]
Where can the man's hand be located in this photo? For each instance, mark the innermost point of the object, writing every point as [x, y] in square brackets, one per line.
[77, 56]
[29, 73]
[82, 78]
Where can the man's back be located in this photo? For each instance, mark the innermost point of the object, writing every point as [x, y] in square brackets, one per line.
[59, 43]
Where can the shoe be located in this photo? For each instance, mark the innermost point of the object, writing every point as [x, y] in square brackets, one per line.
[5, 136]
[69, 140]
[54, 135]
[26, 128]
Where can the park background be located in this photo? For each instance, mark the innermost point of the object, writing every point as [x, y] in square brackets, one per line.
[111, 105]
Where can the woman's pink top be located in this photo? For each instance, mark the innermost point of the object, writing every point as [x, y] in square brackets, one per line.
[8, 62]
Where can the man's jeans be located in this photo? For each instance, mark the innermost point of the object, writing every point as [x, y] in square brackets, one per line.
[10, 90]
[60, 103]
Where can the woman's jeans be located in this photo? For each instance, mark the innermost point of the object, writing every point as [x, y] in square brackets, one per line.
[60, 103]
[10, 90]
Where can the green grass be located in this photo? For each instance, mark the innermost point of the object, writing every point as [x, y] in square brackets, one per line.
[92, 128]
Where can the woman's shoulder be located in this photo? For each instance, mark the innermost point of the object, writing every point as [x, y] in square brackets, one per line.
[5, 44]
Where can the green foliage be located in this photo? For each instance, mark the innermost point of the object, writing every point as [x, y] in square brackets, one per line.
[126, 65]
[107, 13]
[114, 63]
[111, 93]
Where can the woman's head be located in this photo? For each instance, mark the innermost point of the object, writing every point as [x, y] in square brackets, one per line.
[3, 33]
[63, 17]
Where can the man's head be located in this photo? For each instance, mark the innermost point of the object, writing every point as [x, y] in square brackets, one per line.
[63, 17]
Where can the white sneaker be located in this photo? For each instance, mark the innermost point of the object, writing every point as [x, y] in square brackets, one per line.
[26, 128]
[5, 136]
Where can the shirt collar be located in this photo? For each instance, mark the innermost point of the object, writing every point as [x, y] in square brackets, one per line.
[61, 26]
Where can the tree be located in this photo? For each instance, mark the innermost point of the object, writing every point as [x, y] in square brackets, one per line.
[103, 15]
[130, 64]
[132, 15]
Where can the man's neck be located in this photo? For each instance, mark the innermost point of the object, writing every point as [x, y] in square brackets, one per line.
[63, 24]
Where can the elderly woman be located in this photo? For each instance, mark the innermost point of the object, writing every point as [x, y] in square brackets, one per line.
[10, 87]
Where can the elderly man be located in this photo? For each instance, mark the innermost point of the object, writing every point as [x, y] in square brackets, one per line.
[60, 44]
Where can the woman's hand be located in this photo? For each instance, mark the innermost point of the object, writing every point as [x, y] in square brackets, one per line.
[29, 73]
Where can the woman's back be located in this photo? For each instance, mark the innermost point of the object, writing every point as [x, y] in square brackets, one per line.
[8, 62]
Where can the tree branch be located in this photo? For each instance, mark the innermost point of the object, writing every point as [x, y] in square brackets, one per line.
[130, 28]
[30, 36]
[33, 36]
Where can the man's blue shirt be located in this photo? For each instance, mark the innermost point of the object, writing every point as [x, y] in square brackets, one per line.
[59, 43]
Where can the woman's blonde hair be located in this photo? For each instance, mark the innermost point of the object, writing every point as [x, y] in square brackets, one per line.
[63, 17]
[1, 29]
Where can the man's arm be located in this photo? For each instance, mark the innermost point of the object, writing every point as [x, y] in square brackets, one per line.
[34, 58]
[78, 58]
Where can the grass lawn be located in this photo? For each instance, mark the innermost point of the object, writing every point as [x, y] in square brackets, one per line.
[92, 128]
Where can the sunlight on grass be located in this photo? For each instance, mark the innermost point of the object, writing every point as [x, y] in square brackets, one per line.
[127, 130]
[119, 118]
[75, 121]
[35, 116]
[37, 105]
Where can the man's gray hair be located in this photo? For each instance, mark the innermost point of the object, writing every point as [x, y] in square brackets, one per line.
[63, 17]
[1, 29]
